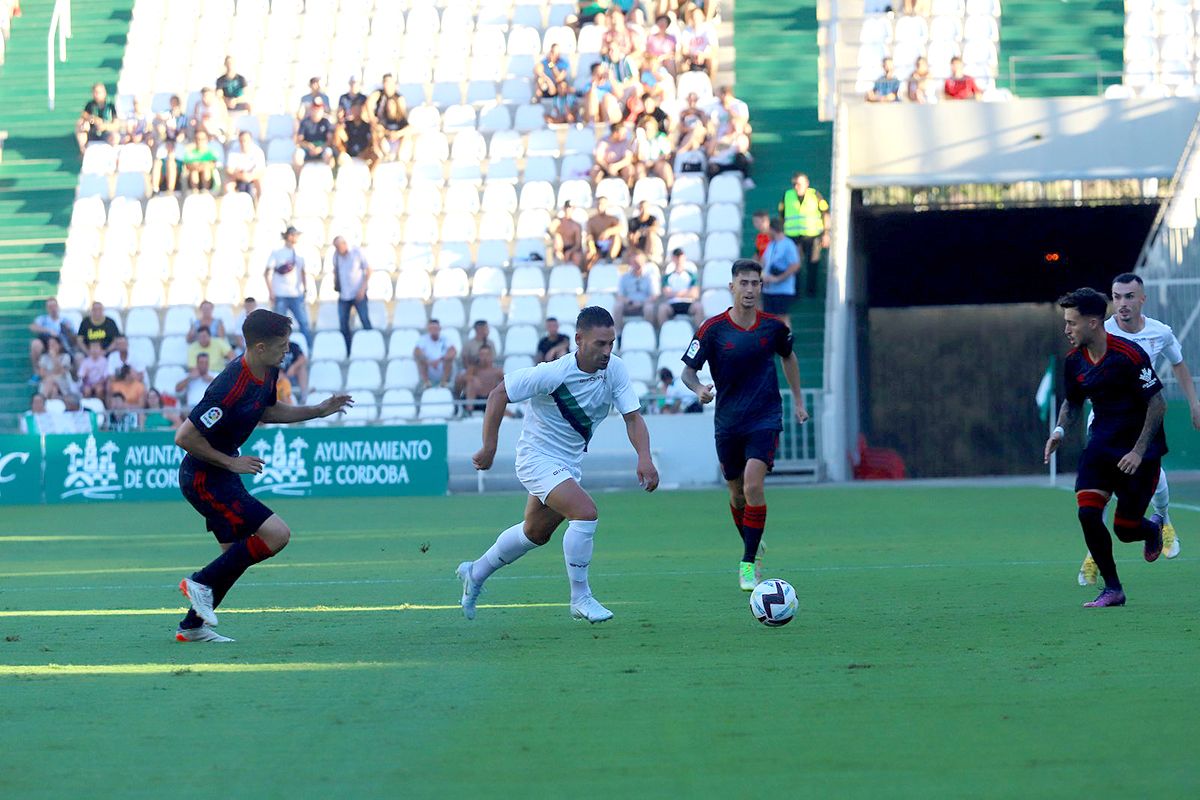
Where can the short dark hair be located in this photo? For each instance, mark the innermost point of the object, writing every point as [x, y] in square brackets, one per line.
[249, 300]
[1129, 277]
[776, 225]
[761, 213]
[746, 265]
[593, 317]
[262, 325]
[434, 321]
[202, 329]
[1087, 300]
[551, 319]
[480, 323]
[665, 374]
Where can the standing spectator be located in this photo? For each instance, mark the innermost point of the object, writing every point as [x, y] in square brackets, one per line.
[98, 122]
[635, 293]
[200, 163]
[919, 90]
[781, 262]
[157, 416]
[169, 129]
[286, 285]
[315, 93]
[388, 114]
[218, 349]
[762, 235]
[604, 235]
[54, 371]
[482, 377]
[567, 236]
[205, 319]
[97, 327]
[352, 97]
[552, 77]
[121, 418]
[806, 222]
[128, 383]
[654, 152]
[237, 338]
[209, 115]
[231, 87]
[643, 230]
[960, 86]
[615, 156]
[314, 136]
[195, 383]
[354, 138]
[680, 291]
[698, 44]
[35, 420]
[887, 85]
[661, 44]
[351, 272]
[47, 326]
[470, 353]
[93, 372]
[119, 357]
[435, 356]
[245, 166]
[295, 368]
[138, 127]
[553, 345]
[730, 152]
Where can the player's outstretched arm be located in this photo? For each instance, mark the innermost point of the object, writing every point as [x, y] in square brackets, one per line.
[195, 445]
[496, 404]
[287, 414]
[692, 380]
[639, 437]
[1184, 376]
[1068, 412]
[1156, 409]
[791, 371]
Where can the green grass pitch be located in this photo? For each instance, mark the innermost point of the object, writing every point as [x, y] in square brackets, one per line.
[940, 651]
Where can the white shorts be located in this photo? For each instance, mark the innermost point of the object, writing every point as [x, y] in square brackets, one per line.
[540, 476]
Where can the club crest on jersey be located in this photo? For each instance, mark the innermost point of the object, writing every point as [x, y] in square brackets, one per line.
[693, 348]
[1146, 376]
[212, 416]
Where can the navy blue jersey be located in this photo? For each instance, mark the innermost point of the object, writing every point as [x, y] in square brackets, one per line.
[232, 407]
[743, 369]
[1120, 386]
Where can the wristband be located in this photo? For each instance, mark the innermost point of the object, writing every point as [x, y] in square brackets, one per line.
[1059, 432]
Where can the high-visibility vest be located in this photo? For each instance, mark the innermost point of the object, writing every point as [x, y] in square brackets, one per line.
[804, 217]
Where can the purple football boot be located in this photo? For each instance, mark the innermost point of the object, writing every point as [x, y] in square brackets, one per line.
[1106, 598]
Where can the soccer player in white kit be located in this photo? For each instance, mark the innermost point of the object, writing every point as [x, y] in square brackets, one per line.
[568, 398]
[1156, 338]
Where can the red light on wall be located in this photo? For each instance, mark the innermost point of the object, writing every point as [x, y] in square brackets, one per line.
[1052, 258]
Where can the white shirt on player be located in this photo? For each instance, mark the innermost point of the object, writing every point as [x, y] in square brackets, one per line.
[565, 406]
[1155, 337]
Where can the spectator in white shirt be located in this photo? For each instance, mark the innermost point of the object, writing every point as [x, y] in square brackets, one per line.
[350, 275]
[119, 357]
[698, 44]
[680, 290]
[245, 166]
[435, 356]
[285, 282]
[195, 383]
[675, 397]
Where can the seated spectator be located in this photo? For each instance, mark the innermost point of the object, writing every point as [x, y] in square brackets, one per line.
[236, 338]
[314, 136]
[680, 291]
[315, 93]
[699, 44]
[295, 368]
[193, 385]
[354, 138]
[209, 115]
[731, 153]
[435, 357]
[129, 385]
[481, 378]
[652, 110]
[47, 326]
[654, 152]
[156, 415]
[93, 372]
[919, 89]
[217, 349]
[283, 390]
[635, 293]
[200, 163]
[660, 44]
[887, 85]
[119, 357]
[553, 345]
[604, 232]
[616, 157]
[35, 420]
[352, 97]
[54, 371]
[481, 332]
[388, 114]
[121, 418]
[231, 88]
[245, 166]
[960, 86]
[593, 11]
[781, 262]
[601, 98]
[656, 80]
[675, 398]
[691, 116]
[169, 129]
[98, 122]
[567, 237]
[75, 419]
[97, 327]
[729, 108]
[762, 235]
[552, 79]
[138, 127]
[690, 156]
[618, 40]
[643, 230]
[205, 319]
[351, 273]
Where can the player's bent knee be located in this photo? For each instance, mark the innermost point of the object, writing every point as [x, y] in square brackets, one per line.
[275, 533]
[1089, 498]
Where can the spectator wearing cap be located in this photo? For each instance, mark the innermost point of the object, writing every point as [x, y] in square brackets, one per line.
[388, 114]
[435, 356]
[98, 122]
[635, 293]
[481, 332]
[205, 319]
[680, 290]
[887, 85]
[567, 237]
[245, 166]
[351, 272]
[315, 93]
[354, 138]
[231, 87]
[47, 326]
[554, 344]
[353, 96]
[781, 262]
[286, 283]
[604, 232]
[960, 86]
[200, 163]
[314, 136]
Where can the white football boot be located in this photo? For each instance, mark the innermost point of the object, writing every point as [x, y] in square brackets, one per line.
[589, 608]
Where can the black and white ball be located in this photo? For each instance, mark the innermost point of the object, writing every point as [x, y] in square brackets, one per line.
[773, 602]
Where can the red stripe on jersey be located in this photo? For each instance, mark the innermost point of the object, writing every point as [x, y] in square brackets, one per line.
[246, 371]
[1122, 346]
[200, 483]
[708, 323]
[238, 389]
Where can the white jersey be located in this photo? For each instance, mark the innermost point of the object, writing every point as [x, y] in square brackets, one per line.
[1155, 338]
[565, 406]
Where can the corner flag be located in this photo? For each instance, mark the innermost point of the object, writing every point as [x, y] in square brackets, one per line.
[1045, 392]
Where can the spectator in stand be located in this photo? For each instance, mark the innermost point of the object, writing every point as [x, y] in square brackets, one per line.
[806, 222]
[98, 122]
[218, 349]
[286, 285]
[601, 99]
[314, 136]
[193, 385]
[388, 114]
[237, 338]
[54, 371]
[781, 263]
[245, 166]
[680, 291]
[200, 163]
[170, 128]
[315, 93]
[656, 80]
[35, 420]
[553, 345]
[352, 97]
[919, 89]
[698, 44]
[731, 153]
[729, 108]
[231, 88]
[294, 367]
[138, 127]
[635, 293]
[128, 383]
[762, 236]
[690, 156]
[351, 272]
[434, 356]
[675, 398]
[97, 327]
[120, 418]
[692, 115]
[355, 139]
[604, 232]
[209, 115]
[643, 230]
[481, 378]
[661, 44]
[47, 326]
[119, 357]
[567, 236]
[205, 319]
[156, 415]
[654, 152]
[920, 8]
[552, 79]
[615, 157]
[93, 372]
[960, 86]
[593, 11]
[887, 85]
[652, 110]
[75, 419]
[470, 354]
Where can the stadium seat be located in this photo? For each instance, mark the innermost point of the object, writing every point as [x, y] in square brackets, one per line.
[675, 335]
[409, 313]
[639, 365]
[173, 350]
[725, 188]
[514, 362]
[166, 378]
[576, 191]
[521, 340]
[487, 308]
[397, 405]
[638, 334]
[650, 190]
[449, 312]
[402, 373]
[528, 281]
[488, 281]
[436, 404]
[536, 194]
[329, 345]
[142, 323]
[688, 189]
[615, 190]
[688, 242]
[325, 376]
[723, 217]
[722, 245]
[716, 274]
[715, 301]
[527, 310]
[603, 278]
[367, 344]
[686, 218]
[363, 375]
[141, 348]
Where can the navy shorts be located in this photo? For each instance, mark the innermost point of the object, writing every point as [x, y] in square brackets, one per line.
[1098, 470]
[735, 449]
[231, 512]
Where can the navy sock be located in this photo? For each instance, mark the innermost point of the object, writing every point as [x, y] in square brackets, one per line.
[1099, 544]
[754, 519]
[191, 621]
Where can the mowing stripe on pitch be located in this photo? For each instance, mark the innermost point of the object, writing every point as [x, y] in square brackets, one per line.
[58, 573]
[148, 612]
[181, 669]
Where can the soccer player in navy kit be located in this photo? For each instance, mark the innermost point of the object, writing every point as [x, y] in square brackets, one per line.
[209, 477]
[1126, 440]
[740, 345]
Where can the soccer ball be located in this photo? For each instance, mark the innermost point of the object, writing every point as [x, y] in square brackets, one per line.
[773, 602]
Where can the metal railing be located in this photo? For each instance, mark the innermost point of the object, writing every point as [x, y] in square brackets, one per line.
[1099, 72]
[800, 445]
[60, 24]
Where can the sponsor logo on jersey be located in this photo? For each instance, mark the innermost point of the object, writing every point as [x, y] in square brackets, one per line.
[212, 416]
[1146, 376]
[693, 348]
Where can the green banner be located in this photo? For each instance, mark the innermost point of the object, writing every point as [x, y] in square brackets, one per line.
[298, 462]
[20, 469]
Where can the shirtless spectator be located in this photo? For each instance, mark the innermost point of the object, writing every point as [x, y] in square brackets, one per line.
[554, 344]
[209, 115]
[244, 167]
[47, 326]
[231, 87]
[470, 354]
[354, 139]
[205, 319]
[388, 114]
[616, 157]
[635, 293]
[481, 379]
[604, 232]
[644, 231]
[567, 236]
[98, 122]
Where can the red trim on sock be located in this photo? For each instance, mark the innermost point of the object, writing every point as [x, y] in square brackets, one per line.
[1125, 522]
[738, 515]
[259, 550]
[1088, 499]
[755, 516]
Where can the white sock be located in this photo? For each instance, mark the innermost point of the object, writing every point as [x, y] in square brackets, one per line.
[509, 546]
[1162, 495]
[577, 551]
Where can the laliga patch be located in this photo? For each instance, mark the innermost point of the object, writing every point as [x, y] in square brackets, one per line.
[693, 348]
[212, 416]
